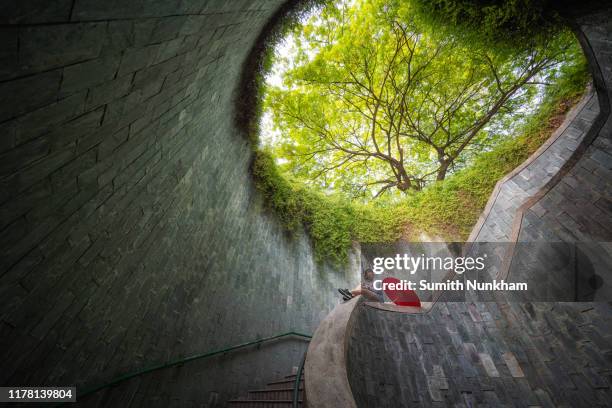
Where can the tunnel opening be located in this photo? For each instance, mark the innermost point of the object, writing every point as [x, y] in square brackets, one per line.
[127, 233]
[416, 188]
[132, 234]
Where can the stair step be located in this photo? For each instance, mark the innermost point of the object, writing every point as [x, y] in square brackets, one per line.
[276, 394]
[283, 384]
[261, 403]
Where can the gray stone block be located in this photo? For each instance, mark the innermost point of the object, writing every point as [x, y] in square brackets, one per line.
[21, 204]
[167, 29]
[23, 155]
[8, 131]
[9, 54]
[79, 127]
[108, 92]
[34, 11]
[16, 183]
[149, 81]
[72, 172]
[110, 143]
[110, 10]
[46, 119]
[603, 158]
[120, 36]
[46, 47]
[168, 50]
[90, 73]
[25, 94]
[137, 58]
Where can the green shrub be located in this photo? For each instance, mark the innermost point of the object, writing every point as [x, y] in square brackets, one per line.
[329, 220]
[501, 23]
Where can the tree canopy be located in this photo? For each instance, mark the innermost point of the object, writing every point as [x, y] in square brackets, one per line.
[374, 102]
[500, 23]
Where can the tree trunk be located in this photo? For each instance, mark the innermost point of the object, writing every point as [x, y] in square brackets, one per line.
[443, 169]
[404, 181]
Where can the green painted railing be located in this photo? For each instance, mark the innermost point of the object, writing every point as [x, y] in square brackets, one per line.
[296, 384]
[184, 360]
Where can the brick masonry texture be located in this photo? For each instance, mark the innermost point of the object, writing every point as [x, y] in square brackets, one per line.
[483, 354]
[132, 233]
[565, 193]
[509, 353]
[523, 185]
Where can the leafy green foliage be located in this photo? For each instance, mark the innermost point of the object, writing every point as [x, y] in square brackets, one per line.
[373, 104]
[446, 209]
[279, 193]
[449, 209]
[249, 106]
[504, 24]
[331, 221]
[328, 220]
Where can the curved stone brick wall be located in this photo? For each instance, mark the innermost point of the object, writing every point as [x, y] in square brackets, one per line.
[483, 354]
[515, 190]
[131, 232]
[515, 353]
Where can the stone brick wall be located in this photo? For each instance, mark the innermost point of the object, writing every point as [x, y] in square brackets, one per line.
[565, 193]
[522, 184]
[507, 353]
[482, 354]
[131, 231]
[579, 206]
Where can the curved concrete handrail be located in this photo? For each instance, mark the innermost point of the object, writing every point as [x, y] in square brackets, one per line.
[392, 307]
[504, 270]
[326, 379]
[569, 118]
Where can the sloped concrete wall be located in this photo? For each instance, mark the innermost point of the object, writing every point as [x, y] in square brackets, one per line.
[131, 231]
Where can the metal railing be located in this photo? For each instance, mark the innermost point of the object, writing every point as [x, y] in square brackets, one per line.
[296, 385]
[184, 360]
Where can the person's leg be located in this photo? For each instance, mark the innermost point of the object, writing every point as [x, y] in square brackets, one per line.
[369, 295]
[345, 292]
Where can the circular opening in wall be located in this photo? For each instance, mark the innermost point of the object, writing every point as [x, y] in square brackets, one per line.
[388, 119]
